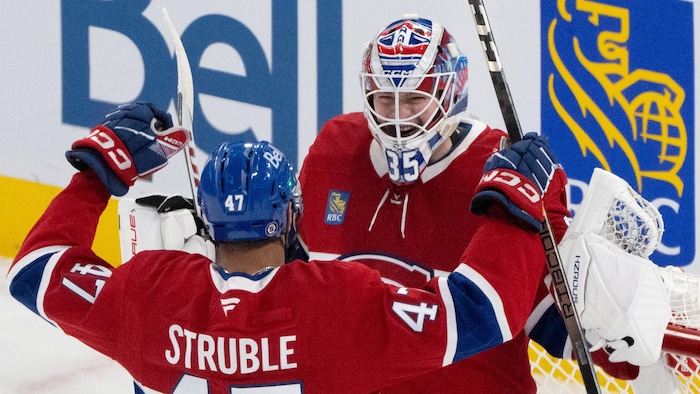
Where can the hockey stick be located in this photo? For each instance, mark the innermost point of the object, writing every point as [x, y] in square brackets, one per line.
[185, 107]
[554, 264]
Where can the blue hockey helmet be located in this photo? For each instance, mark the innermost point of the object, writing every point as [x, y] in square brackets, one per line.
[245, 190]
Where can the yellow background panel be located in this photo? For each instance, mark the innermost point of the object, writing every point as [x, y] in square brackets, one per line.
[23, 202]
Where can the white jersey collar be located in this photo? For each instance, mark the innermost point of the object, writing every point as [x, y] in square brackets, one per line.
[224, 281]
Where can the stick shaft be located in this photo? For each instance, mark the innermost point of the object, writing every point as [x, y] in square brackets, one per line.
[185, 107]
[554, 264]
[498, 77]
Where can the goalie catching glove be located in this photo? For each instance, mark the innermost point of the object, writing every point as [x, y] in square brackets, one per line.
[133, 141]
[161, 222]
[517, 178]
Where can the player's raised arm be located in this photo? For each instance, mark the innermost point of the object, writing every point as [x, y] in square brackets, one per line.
[132, 141]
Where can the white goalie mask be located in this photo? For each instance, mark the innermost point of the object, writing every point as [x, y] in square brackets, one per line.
[414, 78]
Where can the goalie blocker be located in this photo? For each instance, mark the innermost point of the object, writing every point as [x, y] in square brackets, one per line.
[160, 222]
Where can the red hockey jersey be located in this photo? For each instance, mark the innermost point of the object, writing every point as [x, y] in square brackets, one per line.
[178, 323]
[411, 233]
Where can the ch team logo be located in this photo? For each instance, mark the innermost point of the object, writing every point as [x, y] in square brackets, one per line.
[619, 97]
[395, 270]
[409, 38]
[401, 45]
[336, 207]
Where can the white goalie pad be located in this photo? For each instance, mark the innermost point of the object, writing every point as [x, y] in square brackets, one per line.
[142, 228]
[618, 291]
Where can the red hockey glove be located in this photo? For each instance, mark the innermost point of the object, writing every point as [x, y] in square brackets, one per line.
[516, 178]
[133, 141]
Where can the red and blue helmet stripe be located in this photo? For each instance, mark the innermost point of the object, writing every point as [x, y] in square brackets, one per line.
[402, 45]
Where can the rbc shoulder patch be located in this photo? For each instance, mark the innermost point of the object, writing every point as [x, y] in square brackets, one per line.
[336, 207]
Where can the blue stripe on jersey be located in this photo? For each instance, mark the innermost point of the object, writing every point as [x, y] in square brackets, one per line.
[473, 309]
[25, 285]
[550, 332]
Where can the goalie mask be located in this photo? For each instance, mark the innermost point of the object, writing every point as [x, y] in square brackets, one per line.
[245, 191]
[414, 79]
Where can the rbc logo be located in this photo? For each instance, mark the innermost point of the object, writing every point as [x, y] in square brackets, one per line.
[271, 84]
[336, 207]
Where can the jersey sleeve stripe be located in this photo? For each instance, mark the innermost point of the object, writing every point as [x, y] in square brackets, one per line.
[538, 313]
[29, 278]
[451, 320]
[476, 300]
[492, 295]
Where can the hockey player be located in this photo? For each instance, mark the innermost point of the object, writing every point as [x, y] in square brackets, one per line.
[391, 188]
[179, 322]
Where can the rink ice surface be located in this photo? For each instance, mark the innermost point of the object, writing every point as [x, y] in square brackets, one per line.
[36, 357]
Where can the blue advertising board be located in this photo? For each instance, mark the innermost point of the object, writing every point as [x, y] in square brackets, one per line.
[271, 84]
[618, 93]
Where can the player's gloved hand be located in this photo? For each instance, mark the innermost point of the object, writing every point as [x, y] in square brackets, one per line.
[621, 298]
[180, 227]
[133, 141]
[517, 178]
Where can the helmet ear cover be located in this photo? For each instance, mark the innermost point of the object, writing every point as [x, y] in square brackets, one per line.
[245, 190]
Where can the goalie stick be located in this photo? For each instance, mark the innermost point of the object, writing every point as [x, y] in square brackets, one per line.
[554, 264]
[185, 106]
